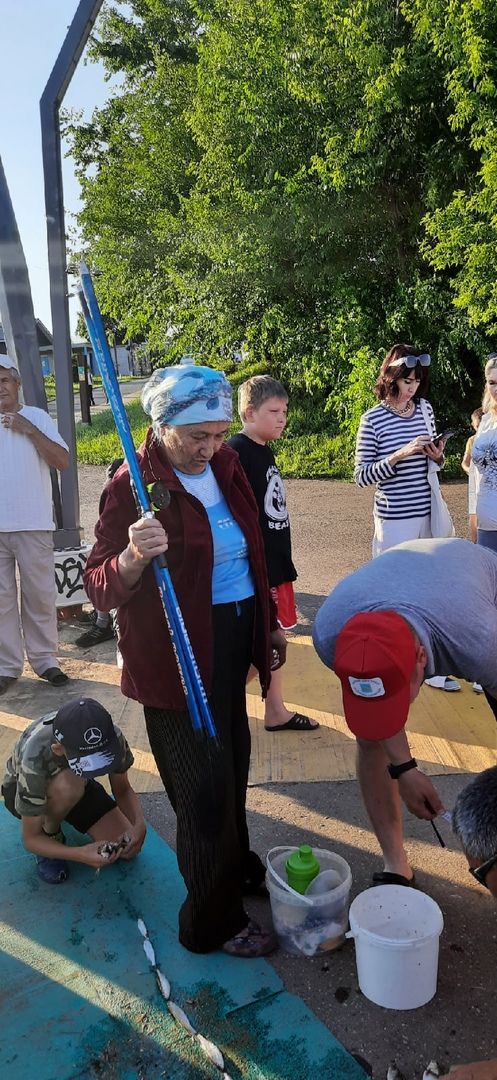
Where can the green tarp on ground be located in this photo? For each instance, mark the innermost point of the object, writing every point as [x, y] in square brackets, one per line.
[80, 1000]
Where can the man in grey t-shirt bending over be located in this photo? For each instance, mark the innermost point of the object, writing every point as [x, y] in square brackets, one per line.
[420, 609]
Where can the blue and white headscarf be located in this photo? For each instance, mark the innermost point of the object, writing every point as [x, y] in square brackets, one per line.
[187, 395]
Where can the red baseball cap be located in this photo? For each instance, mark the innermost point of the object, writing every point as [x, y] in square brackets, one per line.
[375, 655]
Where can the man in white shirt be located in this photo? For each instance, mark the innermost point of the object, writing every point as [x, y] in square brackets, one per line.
[29, 446]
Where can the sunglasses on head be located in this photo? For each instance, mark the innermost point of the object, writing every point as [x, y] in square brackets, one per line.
[480, 872]
[410, 361]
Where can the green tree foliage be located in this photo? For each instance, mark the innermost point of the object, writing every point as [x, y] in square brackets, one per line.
[462, 230]
[295, 177]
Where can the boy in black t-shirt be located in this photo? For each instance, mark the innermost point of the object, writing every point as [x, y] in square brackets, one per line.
[263, 406]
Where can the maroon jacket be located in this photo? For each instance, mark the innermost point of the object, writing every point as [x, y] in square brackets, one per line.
[150, 673]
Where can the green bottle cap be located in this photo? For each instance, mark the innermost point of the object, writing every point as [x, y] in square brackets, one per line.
[301, 868]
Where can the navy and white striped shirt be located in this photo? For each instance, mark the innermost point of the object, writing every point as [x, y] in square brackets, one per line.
[402, 490]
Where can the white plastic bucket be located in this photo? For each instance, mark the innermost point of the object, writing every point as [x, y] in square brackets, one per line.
[316, 921]
[396, 932]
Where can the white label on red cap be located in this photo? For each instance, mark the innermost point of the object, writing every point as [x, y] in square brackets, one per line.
[367, 688]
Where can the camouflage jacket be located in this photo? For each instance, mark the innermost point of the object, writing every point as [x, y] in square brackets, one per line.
[32, 765]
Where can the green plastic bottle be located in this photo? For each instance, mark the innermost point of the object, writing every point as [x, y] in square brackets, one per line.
[301, 868]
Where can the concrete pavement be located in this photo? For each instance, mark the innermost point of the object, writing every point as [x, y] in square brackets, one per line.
[331, 531]
[129, 389]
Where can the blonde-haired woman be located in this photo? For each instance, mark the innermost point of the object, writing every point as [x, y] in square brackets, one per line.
[483, 471]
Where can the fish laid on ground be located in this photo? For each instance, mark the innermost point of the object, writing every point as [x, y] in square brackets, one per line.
[211, 1051]
[181, 1017]
[142, 928]
[432, 1071]
[164, 985]
[149, 951]
[394, 1073]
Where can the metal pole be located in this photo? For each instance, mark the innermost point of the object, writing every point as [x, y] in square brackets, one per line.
[16, 305]
[53, 94]
[18, 318]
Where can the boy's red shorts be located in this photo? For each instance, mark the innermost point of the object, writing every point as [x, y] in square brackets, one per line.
[284, 599]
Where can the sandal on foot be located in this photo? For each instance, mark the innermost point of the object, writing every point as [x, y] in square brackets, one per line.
[443, 682]
[385, 877]
[251, 942]
[297, 722]
[55, 676]
[53, 871]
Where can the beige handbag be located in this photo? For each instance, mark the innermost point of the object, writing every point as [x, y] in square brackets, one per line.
[441, 523]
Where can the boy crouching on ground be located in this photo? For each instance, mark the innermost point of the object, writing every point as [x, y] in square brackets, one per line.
[50, 778]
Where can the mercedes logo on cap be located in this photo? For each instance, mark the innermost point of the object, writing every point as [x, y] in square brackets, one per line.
[92, 736]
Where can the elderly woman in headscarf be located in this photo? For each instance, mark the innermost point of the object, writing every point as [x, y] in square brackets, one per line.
[215, 555]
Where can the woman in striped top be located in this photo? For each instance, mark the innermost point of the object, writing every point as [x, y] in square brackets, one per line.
[393, 447]
[392, 451]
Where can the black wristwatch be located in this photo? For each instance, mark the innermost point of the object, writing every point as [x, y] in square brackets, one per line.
[397, 770]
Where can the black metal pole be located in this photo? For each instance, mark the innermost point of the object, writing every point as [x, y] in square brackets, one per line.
[53, 94]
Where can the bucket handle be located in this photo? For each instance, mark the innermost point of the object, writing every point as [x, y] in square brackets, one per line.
[284, 884]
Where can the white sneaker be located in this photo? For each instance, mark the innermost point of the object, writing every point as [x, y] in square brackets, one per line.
[477, 688]
[443, 682]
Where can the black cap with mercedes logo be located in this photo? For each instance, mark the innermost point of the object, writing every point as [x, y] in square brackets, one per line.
[86, 732]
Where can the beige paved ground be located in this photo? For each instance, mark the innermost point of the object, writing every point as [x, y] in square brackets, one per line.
[331, 536]
[331, 530]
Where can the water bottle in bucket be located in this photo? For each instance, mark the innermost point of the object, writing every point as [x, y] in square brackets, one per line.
[301, 868]
[314, 921]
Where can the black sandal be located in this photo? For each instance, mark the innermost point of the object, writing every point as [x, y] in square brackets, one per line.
[297, 722]
[55, 676]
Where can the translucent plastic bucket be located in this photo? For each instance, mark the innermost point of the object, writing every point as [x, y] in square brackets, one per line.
[396, 932]
[316, 921]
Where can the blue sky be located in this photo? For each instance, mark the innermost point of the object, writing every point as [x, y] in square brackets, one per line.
[32, 32]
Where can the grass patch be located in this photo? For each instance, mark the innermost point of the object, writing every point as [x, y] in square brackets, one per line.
[99, 443]
[308, 456]
[314, 456]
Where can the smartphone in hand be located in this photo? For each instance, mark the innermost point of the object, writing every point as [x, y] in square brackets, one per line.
[444, 436]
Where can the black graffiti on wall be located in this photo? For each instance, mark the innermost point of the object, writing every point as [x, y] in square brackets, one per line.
[69, 570]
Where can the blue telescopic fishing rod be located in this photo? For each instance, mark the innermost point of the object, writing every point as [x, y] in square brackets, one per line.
[196, 698]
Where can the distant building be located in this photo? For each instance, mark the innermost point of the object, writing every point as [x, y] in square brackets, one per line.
[127, 359]
[44, 343]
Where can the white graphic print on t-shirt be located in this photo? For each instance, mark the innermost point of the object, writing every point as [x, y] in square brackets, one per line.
[275, 500]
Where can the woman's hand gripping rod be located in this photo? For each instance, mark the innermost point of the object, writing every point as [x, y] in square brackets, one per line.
[196, 698]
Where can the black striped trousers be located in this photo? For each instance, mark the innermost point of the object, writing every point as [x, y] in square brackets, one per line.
[207, 790]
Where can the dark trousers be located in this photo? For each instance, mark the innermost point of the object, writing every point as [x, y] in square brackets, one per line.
[492, 701]
[207, 789]
[487, 538]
